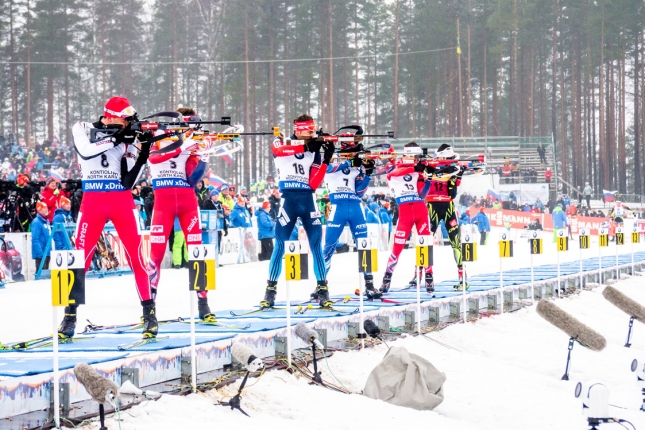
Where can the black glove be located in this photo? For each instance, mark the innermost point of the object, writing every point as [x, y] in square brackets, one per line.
[329, 148]
[356, 161]
[124, 136]
[144, 153]
[462, 169]
[447, 170]
[313, 145]
[419, 167]
[369, 167]
[225, 232]
[429, 170]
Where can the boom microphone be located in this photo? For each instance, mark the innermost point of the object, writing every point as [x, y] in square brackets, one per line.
[571, 326]
[627, 305]
[576, 330]
[624, 303]
[308, 335]
[245, 356]
[101, 389]
[372, 329]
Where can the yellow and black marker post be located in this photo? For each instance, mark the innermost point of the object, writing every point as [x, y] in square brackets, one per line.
[620, 236]
[67, 277]
[196, 268]
[584, 242]
[620, 240]
[561, 245]
[468, 248]
[636, 236]
[468, 254]
[424, 258]
[296, 268]
[535, 245]
[68, 288]
[505, 251]
[367, 263]
[296, 262]
[367, 256]
[603, 241]
[603, 237]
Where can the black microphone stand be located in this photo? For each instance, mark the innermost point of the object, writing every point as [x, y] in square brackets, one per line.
[629, 333]
[102, 417]
[317, 377]
[566, 371]
[236, 401]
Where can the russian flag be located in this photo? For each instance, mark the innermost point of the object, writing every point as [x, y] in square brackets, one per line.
[609, 195]
[228, 159]
[491, 194]
[215, 181]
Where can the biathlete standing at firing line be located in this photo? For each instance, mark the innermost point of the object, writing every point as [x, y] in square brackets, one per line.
[347, 181]
[443, 189]
[110, 167]
[300, 172]
[174, 174]
[408, 185]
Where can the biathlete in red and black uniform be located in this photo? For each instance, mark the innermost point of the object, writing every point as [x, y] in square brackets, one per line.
[443, 189]
[407, 183]
[109, 167]
[174, 174]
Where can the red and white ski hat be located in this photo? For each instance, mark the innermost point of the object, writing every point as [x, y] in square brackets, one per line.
[41, 206]
[119, 107]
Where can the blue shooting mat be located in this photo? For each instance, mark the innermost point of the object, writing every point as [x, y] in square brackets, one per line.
[494, 282]
[515, 278]
[31, 364]
[244, 326]
[112, 343]
[281, 312]
[411, 297]
[341, 305]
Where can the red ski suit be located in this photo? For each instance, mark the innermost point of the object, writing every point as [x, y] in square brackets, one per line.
[407, 186]
[174, 197]
[108, 172]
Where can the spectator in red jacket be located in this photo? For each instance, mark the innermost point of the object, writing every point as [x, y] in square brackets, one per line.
[506, 173]
[548, 173]
[51, 195]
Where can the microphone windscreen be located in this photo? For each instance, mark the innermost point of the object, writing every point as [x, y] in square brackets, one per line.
[571, 326]
[371, 328]
[305, 333]
[101, 389]
[245, 356]
[624, 303]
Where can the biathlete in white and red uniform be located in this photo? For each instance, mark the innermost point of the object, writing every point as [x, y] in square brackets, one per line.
[109, 167]
[407, 183]
[173, 176]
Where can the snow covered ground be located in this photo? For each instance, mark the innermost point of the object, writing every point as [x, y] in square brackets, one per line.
[505, 374]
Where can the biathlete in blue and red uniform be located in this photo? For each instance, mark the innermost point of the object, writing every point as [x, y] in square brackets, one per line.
[347, 182]
[300, 172]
